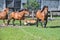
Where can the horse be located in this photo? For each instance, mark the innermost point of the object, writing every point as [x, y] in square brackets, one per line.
[17, 16]
[42, 15]
[29, 21]
[4, 15]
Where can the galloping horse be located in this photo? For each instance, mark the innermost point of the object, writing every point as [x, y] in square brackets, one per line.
[42, 15]
[17, 16]
[4, 15]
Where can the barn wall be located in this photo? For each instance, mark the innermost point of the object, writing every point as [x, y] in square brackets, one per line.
[52, 4]
[2, 4]
[23, 2]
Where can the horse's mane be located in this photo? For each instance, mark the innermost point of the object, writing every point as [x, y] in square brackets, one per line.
[23, 10]
[20, 10]
[44, 8]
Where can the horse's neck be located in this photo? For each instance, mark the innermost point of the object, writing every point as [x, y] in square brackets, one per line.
[21, 13]
[43, 12]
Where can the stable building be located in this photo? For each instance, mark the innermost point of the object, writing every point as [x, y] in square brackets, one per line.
[18, 4]
[12, 4]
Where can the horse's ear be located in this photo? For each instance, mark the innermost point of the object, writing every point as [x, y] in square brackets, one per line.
[45, 6]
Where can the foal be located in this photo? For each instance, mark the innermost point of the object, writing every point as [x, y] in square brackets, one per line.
[17, 16]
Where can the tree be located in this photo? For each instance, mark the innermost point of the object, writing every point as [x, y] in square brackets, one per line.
[32, 5]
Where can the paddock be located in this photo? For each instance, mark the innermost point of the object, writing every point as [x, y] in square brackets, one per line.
[52, 32]
[31, 32]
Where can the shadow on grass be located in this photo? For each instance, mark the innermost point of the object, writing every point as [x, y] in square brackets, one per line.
[53, 27]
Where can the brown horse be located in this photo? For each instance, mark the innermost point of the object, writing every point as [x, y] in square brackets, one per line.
[17, 16]
[4, 15]
[42, 15]
[29, 21]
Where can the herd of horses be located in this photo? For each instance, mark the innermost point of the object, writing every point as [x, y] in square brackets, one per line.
[41, 15]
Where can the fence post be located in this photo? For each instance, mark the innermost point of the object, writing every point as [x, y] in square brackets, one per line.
[32, 14]
[51, 15]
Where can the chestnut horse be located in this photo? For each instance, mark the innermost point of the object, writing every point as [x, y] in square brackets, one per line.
[29, 21]
[4, 15]
[42, 15]
[17, 16]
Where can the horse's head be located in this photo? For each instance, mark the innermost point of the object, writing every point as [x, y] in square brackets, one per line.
[26, 11]
[45, 9]
[6, 10]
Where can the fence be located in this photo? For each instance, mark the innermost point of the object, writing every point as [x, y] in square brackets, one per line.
[54, 15]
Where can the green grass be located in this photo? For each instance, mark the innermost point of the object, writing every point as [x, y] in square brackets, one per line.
[52, 32]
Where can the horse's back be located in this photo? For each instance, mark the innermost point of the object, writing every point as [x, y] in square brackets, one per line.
[15, 15]
[11, 14]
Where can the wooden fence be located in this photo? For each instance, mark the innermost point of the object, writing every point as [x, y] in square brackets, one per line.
[54, 15]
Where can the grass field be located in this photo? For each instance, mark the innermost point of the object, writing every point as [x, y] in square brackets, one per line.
[52, 32]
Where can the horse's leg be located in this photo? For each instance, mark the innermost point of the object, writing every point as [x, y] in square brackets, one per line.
[44, 24]
[20, 22]
[8, 21]
[3, 22]
[37, 22]
[41, 23]
[13, 22]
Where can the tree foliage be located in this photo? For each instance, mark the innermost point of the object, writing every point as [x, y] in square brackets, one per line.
[32, 4]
